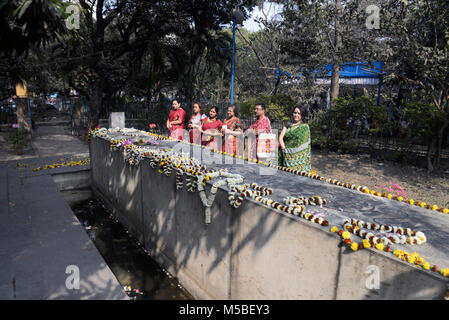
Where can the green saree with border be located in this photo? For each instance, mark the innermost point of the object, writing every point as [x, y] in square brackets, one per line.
[297, 153]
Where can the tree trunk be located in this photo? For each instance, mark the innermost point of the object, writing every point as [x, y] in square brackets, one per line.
[431, 146]
[22, 115]
[220, 86]
[95, 103]
[436, 160]
[335, 85]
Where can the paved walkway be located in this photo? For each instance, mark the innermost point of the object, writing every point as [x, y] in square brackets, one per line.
[56, 140]
[42, 243]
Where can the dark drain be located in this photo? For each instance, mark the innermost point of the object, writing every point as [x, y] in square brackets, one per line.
[140, 276]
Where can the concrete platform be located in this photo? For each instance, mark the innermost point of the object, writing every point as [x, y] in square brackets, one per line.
[40, 237]
[257, 252]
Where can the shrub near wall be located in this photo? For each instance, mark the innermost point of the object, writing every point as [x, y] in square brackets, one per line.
[340, 126]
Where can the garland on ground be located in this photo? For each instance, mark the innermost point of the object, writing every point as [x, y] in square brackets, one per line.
[63, 164]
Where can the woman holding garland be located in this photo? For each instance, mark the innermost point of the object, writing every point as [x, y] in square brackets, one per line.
[211, 130]
[195, 123]
[232, 129]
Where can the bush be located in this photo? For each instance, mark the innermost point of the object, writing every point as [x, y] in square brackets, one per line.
[18, 139]
[422, 121]
[278, 106]
[159, 114]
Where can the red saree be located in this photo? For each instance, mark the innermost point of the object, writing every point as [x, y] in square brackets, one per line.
[211, 141]
[177, 130]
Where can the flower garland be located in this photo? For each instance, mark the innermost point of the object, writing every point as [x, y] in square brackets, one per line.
[315, 176]
[313, 201]
[404, 235]
[238, 193]
[366, 190]
[369, 240]
[134, 132]
[63, 164]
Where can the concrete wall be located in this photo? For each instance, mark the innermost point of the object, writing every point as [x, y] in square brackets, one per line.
[252, 252]
[73, 180]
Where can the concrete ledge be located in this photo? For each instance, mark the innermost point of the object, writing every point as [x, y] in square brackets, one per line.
[253, 252]
[40, 237]
[72, 180]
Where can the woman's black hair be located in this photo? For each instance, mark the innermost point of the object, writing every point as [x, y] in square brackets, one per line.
[235, 108]
[199, 105]
[216, 109]
[177, 100]
[303, 110]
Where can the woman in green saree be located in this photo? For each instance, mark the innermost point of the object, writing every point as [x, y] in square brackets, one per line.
[294, 143]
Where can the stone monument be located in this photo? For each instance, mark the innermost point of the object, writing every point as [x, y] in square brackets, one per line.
[117, 120]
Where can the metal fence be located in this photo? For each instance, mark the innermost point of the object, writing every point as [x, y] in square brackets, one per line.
[8, 113]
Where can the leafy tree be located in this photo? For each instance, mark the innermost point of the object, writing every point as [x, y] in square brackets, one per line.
[141, 48]
[318, 32]
[417, 54]
[26, 23]
[24, 26]
[279, 107]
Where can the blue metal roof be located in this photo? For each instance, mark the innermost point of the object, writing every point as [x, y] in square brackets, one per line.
[358, 69]
[348, 70]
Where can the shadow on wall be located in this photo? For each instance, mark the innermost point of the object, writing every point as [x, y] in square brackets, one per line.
[409, 285]
[172, 222]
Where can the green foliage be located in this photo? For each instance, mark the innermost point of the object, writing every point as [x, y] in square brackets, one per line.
[159, 114]
[18, 139]
[278, 106]
[339, 127]
[423, 120]
[32, 22]
[357, 111]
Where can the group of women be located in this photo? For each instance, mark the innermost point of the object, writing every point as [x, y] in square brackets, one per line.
[207, 130]
[294, 139]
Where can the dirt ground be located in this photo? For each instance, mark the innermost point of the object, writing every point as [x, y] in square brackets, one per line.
[415, 182]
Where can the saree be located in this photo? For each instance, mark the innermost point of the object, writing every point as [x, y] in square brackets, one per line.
[177, 130]
[210, 141]
[195, 134]
[297, 153]
[262, 125]
[231, 143]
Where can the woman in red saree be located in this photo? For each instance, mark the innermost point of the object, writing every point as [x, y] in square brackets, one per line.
[175, 122]
[211, 130]
[232, 129]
